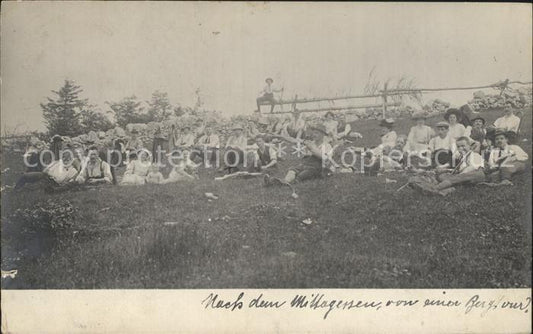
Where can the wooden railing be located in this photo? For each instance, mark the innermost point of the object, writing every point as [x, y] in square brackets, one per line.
[383, 94]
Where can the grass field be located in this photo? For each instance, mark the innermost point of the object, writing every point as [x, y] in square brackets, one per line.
[363, 234]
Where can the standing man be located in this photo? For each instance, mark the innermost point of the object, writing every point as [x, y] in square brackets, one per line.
[505, 160]
[267, 95]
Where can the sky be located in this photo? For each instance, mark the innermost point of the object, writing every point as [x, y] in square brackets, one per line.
[116, 49]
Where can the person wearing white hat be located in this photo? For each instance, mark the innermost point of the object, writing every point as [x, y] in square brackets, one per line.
[267, 95]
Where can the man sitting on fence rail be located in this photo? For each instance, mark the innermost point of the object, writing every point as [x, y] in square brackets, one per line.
[267, 95]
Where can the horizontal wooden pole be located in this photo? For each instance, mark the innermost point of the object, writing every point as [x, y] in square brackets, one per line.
[392, 92]
[340, 108]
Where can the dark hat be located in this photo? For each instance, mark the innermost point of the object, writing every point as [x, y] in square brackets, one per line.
[269, 79]
[442, 124]
[480, 118]
[500, 132]
[57, 138]
[452, 111]
[134, 131]
[329, 113]
[387, 122]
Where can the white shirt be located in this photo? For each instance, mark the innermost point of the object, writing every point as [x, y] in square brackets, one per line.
[515, 153]
[446, 143]
[186, 140]
[418, 138]
[60, 172]
[211, 140]
[508, 123]
[389, 139]
[473, 159]
[456, 130]
[238, 142]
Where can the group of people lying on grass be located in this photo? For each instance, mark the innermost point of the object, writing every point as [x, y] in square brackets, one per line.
[458, 151]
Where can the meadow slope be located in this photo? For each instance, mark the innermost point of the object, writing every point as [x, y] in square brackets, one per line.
[363, 234]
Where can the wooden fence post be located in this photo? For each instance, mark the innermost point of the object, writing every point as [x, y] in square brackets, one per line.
[385, 99]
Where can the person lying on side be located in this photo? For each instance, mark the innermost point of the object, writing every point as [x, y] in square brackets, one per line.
[316, 161]
[59, 173]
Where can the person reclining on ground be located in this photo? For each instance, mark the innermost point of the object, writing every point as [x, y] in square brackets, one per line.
[469, 170]
[505, 160]
[59, 173]
[316, 162]
[95, 170]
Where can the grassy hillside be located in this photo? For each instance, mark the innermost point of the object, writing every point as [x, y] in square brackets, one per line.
[362, 233]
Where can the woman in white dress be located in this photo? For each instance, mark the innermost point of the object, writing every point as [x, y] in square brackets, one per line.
[456, 129]
[137, 170]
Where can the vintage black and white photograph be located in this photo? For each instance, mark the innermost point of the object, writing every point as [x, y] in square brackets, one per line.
[264, 145]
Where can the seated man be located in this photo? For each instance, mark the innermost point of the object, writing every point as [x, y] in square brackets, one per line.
[316, 162]
[267, 95]
[508, 123]
[95, 171]
[479, 135]
[59, 173]
[265, 156]
[442, 147]
[235, 150]
[208, 146]
[469, 170]
[505, 160]
[187, 138]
